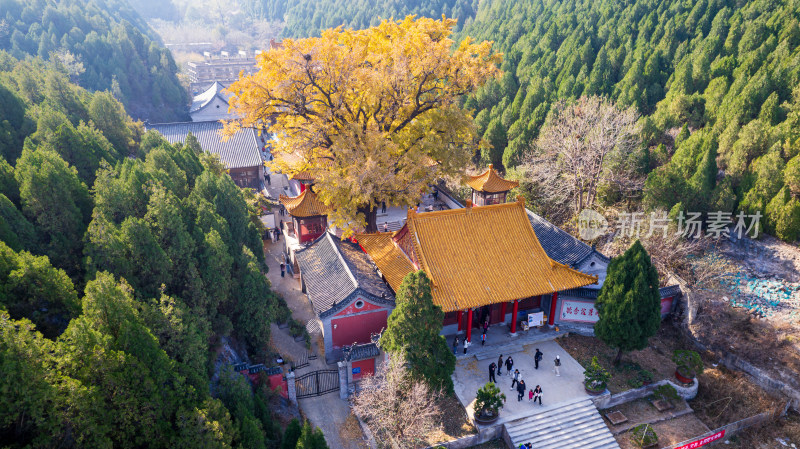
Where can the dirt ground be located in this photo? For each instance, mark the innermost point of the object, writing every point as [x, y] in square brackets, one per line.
[454, 422]
[494, 444]
[782, 434]
[669, 432]
[642, 411]
[656, 358]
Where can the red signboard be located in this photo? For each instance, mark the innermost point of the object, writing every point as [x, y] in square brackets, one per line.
[703, 441]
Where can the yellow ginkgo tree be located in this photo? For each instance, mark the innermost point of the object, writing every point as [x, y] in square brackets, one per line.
[372, 115]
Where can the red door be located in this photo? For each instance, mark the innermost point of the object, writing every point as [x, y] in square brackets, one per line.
[496, 316]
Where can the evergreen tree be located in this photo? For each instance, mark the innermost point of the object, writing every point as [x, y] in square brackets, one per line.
[311, 438]
[413, 329]
[291, 435]
[629, 305]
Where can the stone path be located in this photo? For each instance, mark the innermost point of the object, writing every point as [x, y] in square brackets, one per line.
[327, 412]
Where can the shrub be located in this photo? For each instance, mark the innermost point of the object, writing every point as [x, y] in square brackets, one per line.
[666, 392]
[688, 363]
[643, 435]
[595, 377]
[489, 398]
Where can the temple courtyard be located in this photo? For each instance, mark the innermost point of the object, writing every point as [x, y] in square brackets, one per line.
[472, 372]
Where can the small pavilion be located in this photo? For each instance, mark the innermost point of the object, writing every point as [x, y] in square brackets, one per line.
[479, 259]
[489, 188]
[309, 215]
[305, 179]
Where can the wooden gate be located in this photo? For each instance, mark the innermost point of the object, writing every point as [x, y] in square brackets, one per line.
[317, 383]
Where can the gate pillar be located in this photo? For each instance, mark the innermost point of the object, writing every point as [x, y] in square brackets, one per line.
[343, 373]
[291, 387]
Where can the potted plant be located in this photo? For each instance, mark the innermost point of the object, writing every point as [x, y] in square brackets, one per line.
[488, 403]
[644, 436]
[688, 365]
[595, 378]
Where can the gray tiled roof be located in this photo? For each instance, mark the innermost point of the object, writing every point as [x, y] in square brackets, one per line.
[334, 271]
[362, 352]
[559, 244]
[241, 150]
[591, 293]
[201, 100]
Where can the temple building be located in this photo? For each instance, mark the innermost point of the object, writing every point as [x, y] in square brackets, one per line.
[489, 188]
[349, 298]
[241, 153]
[484, 263]
[309, 216]
[211, 105]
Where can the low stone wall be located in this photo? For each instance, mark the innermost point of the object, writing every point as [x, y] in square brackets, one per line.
[485, 433]
[613, 400]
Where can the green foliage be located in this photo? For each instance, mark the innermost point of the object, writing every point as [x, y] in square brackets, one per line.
[689, 363]
[413, 329]
[643, 435]
[56, 201]
[169, 264]
[114, 49]
[629, 305]
[307, 18]
[666, 392]
[489, 398]
[595, 376]
[291, 435]
[311, 438]
[32, 288]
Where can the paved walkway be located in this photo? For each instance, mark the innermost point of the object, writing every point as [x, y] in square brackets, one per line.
[327, 412]
[473, 372]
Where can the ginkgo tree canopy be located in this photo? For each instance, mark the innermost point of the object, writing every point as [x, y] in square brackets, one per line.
[371, 114]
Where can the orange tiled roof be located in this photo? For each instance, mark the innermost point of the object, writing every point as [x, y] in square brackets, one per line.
[474, 256]
[304, 205]
[303, 176]
[490, 182]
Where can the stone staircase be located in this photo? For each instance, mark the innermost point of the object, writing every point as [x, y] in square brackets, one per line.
[572, 425]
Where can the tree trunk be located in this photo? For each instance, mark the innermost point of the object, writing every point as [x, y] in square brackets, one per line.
[371, 215]
[618, 358]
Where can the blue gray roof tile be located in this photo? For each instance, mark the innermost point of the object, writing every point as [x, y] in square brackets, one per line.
[239, 151]
[335, 271]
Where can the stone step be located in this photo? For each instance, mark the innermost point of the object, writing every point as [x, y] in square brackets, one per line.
[571, 425]
[556, 427]
[579, 433]
[563, 409]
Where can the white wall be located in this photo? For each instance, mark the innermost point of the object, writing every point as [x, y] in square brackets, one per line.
[215, 110]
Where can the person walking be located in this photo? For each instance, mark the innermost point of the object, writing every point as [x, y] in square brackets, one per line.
[557, 365]
[483, 339]
[537, 357]
[466, 345]
[277, 235]
[383, 207]
[486, 325]
[500, 365]
[385, 226]
[492, 368]
[516, 378]
[530, 395]
[269, 180]
[455, 344]
[537, 394]
[520, 390]
[283, 269]
[509, 365]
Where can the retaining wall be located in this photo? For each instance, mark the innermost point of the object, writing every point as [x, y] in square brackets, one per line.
[613, 400]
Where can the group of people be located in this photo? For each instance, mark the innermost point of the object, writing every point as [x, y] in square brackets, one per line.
[517, 381]
[466, 342]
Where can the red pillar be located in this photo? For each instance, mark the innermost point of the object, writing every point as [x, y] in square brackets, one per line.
[302, 187]
[514, 311]
[458, 314]
[554, 299]
[503, 312]
[469, 326]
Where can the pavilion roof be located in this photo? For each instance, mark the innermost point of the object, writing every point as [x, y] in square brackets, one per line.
[490, 182]
[474, 256]
[304, 205]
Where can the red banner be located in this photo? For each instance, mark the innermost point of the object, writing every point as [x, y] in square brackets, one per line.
[703, 441]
